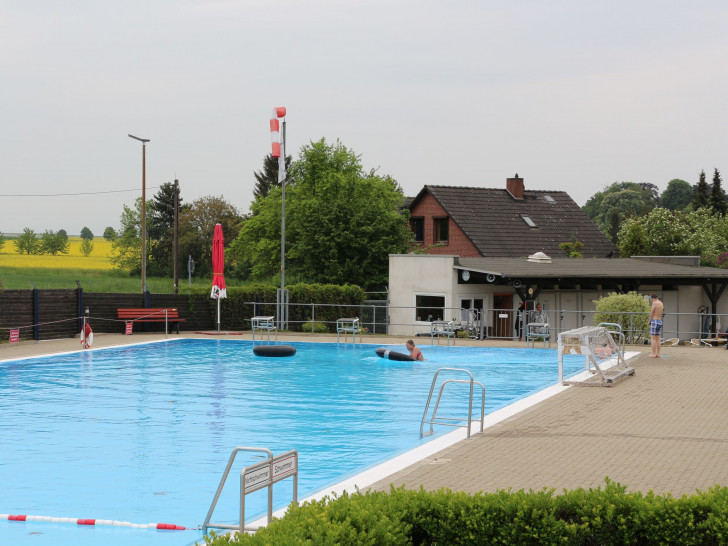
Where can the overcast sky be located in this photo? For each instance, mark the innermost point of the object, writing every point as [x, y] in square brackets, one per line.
[571, 95]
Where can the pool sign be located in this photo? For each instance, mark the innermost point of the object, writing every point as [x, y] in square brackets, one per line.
[268, 472]
[256, 477]
[129, 327]
[14, 336]
[285, 465]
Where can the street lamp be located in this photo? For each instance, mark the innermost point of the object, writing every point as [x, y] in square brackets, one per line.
[144, 210]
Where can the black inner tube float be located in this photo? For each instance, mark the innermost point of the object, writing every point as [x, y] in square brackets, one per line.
[392, 355]
[274, 350]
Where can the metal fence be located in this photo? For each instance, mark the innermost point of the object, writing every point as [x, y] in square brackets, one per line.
[496, 323]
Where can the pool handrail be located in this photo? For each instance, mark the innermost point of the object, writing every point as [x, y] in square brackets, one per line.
[434, 420]
[237, 450]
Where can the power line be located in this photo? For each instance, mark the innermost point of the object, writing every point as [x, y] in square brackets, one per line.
[68, 194]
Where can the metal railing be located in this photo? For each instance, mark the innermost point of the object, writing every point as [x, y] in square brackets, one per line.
[484, 323]
[452, 421]
[253, 478]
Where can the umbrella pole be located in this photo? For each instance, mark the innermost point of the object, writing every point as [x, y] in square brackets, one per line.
[218, 314]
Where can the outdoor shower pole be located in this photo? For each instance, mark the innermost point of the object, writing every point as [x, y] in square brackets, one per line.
[282, 181]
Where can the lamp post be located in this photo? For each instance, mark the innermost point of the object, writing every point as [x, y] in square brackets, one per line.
[144, 210]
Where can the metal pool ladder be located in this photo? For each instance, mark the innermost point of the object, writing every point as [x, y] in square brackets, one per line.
[254, 477]
[452, 421]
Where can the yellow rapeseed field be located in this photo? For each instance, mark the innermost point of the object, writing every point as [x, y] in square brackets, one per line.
[98, 259]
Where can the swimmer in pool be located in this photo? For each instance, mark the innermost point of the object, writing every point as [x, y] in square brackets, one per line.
[414, 351]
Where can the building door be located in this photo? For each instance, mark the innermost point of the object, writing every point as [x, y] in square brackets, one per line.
[569, 311]
[503, 315]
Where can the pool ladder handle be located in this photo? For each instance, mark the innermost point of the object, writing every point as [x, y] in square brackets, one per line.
[269, 461]
[443, 420]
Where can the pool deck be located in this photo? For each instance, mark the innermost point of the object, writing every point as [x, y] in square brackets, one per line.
[664, 429]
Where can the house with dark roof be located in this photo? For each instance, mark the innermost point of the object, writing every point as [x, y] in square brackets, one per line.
[487, 250]
[506, 222]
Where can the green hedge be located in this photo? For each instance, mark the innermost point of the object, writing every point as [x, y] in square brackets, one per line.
[236, 310]
[608, 515]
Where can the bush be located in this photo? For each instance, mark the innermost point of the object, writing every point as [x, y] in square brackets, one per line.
[630, 311]
[594, 516]
[314, 327]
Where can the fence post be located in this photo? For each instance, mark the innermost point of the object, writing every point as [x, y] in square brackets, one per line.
[36, 313]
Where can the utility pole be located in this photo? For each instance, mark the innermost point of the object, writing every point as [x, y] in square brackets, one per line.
[176, 235]
[144, 210]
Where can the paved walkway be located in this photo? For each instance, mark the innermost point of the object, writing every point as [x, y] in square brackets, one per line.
[664, 429]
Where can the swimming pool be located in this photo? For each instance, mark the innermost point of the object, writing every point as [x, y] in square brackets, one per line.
[143, 433]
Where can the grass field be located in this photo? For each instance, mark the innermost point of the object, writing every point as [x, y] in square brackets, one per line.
[94, 272]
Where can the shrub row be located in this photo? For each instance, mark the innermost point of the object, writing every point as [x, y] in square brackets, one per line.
[608, 515]
[237, 309]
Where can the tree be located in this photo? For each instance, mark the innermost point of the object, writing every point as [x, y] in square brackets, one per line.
[701, 193]
[126, 249]
[54, 243]
[572, 248]
[161, 230]
[27, 242]
[86, 233]
[268, 177]
[197, 226]
[87, 246]
[110, 233]
[674, 233]
[619, 201]
[2, 241]
[341, 222]
[677, 195]
[717, 196]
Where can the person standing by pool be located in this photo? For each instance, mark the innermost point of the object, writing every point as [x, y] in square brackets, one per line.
[655, 325]
[414, 351]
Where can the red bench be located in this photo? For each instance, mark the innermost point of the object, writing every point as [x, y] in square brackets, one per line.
[151, 315]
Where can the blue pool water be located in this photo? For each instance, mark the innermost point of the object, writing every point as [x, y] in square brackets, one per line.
[143, 433]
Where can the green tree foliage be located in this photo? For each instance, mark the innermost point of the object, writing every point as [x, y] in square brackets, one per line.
[86, 233]
[87, 246]
[268, 177]
[161, 230]
[572, 249]
[677, 196]
[2, 241]
[717, 195]
[110, 233]
[54, 243]
[701, 193]
[630, 311]
[673, 233]
[197, 226]
[27, 242]
[622, 200]
[341, 222]
[126, 249]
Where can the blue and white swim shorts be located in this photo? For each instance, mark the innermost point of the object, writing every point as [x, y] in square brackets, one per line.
[655, 327]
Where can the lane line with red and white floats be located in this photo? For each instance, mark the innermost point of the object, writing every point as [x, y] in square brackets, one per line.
[109, 522]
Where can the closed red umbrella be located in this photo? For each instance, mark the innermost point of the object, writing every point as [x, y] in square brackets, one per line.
[218, 266]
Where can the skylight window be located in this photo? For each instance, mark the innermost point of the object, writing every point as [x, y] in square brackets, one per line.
[549, 199]
[529, 222]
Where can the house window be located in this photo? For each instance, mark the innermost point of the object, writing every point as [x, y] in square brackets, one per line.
[418, 228]
[441, 230]
[429, 307]
[530, 223]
